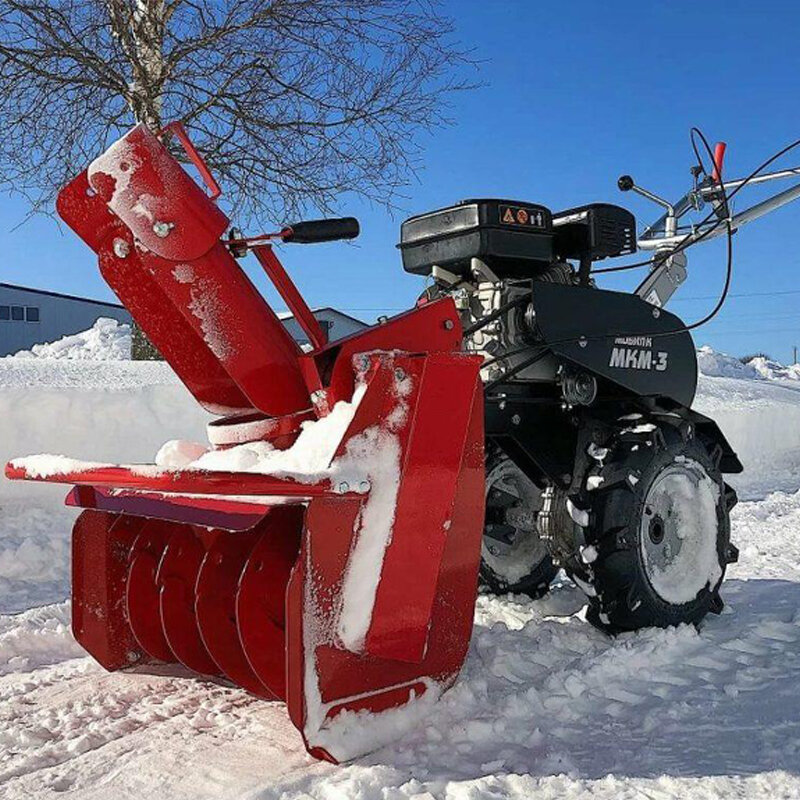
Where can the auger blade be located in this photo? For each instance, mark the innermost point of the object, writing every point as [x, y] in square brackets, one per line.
[261, 599]
[176, 578]
[215, 608]
[141, 590]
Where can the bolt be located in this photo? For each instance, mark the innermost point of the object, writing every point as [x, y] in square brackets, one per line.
[492, 549]
[364, 486]
[162, 229]
[399, 374]
[582, 341]
[121, 248]
[133, 655]
[90, 192]
[449, 324]
[516, 419]
[344, 487]
[656, 312]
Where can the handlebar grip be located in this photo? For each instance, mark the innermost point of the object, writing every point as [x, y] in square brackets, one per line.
[719, 158]
[321, 230]
[625, 183]
[177, 129]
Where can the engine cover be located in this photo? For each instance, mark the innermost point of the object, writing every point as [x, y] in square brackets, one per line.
[514, 238]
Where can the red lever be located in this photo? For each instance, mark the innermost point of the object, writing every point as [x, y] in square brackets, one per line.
[179, 131]
[719, 157]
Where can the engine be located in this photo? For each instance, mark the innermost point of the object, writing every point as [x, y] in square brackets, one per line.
[487, 254]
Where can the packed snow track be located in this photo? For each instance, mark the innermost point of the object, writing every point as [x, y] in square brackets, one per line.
[546, 706]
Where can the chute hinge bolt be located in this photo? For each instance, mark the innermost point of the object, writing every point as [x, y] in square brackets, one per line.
[162, 229]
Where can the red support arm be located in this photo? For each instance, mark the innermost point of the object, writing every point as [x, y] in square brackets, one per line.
[288, 291]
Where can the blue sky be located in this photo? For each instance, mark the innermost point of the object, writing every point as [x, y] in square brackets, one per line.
[574, 95]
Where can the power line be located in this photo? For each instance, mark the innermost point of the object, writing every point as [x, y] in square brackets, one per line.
[739, 294]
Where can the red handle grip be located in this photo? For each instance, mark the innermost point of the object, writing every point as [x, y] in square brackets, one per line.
[719, 158]
[179, 131]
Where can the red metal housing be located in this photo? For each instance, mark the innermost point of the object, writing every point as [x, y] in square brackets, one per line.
[348, 590]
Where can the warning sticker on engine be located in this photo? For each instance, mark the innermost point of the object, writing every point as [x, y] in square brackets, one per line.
[526, 217]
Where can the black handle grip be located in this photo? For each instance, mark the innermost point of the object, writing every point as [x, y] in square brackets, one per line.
[625, 183]
[322, 230]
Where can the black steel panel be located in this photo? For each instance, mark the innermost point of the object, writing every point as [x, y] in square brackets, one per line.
[620, 337]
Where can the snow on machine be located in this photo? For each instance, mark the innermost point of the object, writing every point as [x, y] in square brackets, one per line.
[325, 550]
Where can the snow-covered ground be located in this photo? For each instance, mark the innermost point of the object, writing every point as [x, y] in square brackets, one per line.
[546, 706]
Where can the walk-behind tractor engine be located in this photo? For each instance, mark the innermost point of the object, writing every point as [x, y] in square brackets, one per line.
[326, 548]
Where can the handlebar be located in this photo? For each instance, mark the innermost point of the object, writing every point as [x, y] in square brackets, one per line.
[665, 233]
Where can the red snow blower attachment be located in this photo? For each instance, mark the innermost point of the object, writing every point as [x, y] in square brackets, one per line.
[325, 550]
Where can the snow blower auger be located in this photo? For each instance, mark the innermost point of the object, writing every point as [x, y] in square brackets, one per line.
[341, 580]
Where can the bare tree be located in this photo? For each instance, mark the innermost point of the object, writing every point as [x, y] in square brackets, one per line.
[292, 102]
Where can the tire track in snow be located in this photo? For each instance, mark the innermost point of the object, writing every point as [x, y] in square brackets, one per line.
[81, 727]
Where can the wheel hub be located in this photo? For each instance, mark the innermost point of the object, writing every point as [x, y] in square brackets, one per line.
[656, 531]
[678, 531]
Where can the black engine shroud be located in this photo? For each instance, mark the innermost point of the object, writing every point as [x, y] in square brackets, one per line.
[514, 238]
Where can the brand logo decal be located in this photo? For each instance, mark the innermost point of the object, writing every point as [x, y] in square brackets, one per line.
[635, 352]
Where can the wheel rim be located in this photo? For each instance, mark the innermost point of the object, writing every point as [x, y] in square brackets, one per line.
[511, 546]
[678, 532]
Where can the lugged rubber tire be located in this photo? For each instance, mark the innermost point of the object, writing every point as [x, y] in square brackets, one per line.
[629, 594]
[536, 577]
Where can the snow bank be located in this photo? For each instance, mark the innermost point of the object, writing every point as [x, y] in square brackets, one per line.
[720, 365]
[759, 413]
[772, 370]
[106, 340]
[100, 411]
[51, 410]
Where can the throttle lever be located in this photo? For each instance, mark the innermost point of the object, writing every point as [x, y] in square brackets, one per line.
[625, 183]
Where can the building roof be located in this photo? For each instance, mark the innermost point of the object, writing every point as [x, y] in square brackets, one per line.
[281, 314]
[289, 315]
[60, 294]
